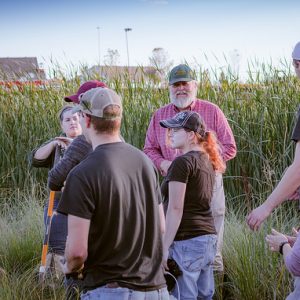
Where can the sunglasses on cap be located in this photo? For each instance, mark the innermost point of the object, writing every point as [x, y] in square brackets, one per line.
[296, 63]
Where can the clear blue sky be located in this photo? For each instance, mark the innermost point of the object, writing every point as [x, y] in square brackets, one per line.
[188, 30]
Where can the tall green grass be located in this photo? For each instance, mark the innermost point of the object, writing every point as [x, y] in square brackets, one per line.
[261, 114]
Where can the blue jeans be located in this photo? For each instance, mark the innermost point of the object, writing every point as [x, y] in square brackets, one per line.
[195, 258]
[58, 230]
[124, 294]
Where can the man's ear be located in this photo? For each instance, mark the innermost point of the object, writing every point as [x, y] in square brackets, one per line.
[87, 120]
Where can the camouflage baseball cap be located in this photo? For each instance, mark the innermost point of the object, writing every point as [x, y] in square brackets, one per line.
[181, 73]
[186, 119]
[94, 101]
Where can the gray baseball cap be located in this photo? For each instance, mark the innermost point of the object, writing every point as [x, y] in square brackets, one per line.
[296, 52]
[94, 101]
[181, 73]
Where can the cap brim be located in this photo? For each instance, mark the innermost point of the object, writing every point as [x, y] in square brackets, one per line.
[180, 79]
[72, 98]
[170, 123]
[76, 109]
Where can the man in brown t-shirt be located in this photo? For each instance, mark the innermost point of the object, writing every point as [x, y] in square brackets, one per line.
[114, 219]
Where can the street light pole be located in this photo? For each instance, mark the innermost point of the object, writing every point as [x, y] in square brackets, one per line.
[126, 30]
[99, 57]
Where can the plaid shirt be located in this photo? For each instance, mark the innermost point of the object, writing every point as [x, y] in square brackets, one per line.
[155, 143]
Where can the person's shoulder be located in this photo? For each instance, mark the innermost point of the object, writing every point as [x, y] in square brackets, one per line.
[80, 140]
[164, 109]
[194, 157]
[183, 159]
[207, 104]
[139, 153]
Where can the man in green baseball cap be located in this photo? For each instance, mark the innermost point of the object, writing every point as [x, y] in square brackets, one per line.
[183, 97]
[181, 73]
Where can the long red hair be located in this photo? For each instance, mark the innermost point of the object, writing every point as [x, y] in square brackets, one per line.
[211, 147]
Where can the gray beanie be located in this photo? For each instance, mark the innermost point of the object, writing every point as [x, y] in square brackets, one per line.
[296, 52]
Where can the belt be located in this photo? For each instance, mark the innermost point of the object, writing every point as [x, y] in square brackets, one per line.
[112, 285]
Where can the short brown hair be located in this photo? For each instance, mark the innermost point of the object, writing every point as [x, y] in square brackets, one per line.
[102, 125]
[62, 112]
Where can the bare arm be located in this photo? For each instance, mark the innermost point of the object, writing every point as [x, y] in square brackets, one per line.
[162, 218]
[291, 255]
[152, 147]
[44, 151]
[174, 214]
[225, 136]
[287, 185]
[77, 243]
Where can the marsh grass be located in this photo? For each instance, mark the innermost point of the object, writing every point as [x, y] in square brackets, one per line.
[261, 113]
[252, 270]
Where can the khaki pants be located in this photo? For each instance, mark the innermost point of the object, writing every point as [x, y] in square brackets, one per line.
[218, 212]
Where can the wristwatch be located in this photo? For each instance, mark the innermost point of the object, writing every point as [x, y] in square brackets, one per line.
[281, 247]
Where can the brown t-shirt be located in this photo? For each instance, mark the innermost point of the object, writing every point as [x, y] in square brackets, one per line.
[194, 169]
[116, 187]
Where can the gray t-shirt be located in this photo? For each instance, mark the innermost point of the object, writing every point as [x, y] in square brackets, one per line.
[116, 187]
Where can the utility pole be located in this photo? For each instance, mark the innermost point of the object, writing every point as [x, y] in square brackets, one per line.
[126, 30]
[99, 56]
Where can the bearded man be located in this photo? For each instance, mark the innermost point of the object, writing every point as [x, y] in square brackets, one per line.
[183, 96]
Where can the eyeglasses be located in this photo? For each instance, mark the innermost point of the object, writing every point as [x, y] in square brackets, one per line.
[86, 105]
[296, 63]
[175, 130]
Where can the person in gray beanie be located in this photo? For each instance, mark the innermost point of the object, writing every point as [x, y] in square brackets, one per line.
[290, 181]
[287, 188]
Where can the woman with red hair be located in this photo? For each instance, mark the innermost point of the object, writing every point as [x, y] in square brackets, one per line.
[190, 237]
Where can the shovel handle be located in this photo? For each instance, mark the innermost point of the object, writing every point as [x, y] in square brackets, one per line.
[47, 233]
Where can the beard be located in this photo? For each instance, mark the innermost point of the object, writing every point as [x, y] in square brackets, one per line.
[183, 102]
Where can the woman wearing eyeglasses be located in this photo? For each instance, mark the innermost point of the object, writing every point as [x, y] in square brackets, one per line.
[190, 237]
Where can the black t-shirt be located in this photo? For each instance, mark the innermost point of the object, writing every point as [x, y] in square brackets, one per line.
[117, 188]
[296, 131]
[194, 169]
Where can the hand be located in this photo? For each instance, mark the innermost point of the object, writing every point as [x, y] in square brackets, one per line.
[165, 259]
[66, 269]
[63, 187]
[164, 166]
[292, 238]
[257, 216]
[275, 239]
[294, 196]
[62, 141]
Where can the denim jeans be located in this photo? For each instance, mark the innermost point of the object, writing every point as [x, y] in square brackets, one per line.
[195, 258]
[58, 230]
[124, 294]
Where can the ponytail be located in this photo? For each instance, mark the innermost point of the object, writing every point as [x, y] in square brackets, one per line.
[211, 147]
